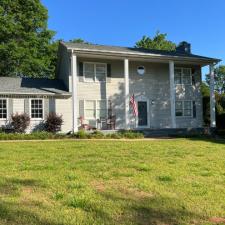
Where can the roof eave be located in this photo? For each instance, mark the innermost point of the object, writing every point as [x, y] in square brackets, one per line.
[202, 61]
[30, 93]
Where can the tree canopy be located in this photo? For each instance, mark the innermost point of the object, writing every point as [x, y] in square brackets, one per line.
[158, 42]
[79, 40]
[26, 47]
[219, 79]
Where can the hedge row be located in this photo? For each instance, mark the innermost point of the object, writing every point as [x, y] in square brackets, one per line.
[79, 135]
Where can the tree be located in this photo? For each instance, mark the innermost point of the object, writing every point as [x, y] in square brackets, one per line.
[158, 42]
[26, 46]
[219, 79]
[79, 40]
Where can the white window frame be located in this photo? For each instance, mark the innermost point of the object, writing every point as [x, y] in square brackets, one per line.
[183, 116]
[7, 109]
[95, 102]
[95, 80]
[182, 75]
[43, 108]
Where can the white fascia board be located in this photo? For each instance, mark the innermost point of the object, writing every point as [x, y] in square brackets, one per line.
[124, 54]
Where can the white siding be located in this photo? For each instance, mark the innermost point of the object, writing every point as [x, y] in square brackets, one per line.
[18, 105]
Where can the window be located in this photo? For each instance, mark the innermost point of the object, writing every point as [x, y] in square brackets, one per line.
[182, 76]
[178, 76]
[94, 109]
[95, 72]
[179, 108]
[90, 109]
[36, 109]
[101, 110]
[3, 109]
[183, 108]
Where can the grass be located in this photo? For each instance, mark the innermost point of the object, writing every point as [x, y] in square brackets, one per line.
[161, 182]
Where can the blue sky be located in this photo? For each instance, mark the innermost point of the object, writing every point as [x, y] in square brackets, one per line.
[123, 22]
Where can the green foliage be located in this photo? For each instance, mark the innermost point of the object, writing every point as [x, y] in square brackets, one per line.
[131, 134]
[53, 123]
[219, 79]
[158, 42]
[220, 106]
[79, 40]
[26, 47]
[33, 136]
[20, 122]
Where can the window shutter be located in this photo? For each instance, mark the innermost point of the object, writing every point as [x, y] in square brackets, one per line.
[109, 70]
[45, 103]
[193, 76]
[81, 108]
[194, 109]
[27, 106]
[10, 107]
[81, 69]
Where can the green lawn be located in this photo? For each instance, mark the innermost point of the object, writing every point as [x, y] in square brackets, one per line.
[160, 182]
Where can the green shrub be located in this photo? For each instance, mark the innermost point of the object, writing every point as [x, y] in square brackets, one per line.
[82, 134]
[114, 135]
[20, 122]
[97, 135]
[33, 136]
[131, 134]
[53, 123]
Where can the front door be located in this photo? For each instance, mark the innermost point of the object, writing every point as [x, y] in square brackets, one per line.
[142, 114]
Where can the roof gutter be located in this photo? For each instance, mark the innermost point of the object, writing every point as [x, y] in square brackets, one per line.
[156, 56]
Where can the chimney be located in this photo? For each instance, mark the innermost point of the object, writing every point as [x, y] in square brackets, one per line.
[184, 47]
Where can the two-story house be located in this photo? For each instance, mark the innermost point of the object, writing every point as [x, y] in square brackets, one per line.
[94, 85]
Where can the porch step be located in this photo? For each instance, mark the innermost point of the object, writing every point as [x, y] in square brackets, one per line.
[172, 132]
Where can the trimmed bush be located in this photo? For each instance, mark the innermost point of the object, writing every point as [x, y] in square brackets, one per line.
[131, 134]
[53, 123]
[82, 134]
[20, 122]
[33, 136]
[97, 135]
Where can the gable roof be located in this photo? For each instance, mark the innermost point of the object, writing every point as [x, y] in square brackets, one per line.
[15, 85]
[137, 52]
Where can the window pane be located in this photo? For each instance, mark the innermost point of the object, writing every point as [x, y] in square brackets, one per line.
[101, 113]
[187, 104]
[89, 113]
[187, 112]
[90, 104]
[186, 71]
[186, 79]
[100, 72]
[178, 73]
[179, 108]
[179, 113]
[3, 109]
[89, 71]
[90, 109]
[179, 105]
[101, 104]
[37, 108]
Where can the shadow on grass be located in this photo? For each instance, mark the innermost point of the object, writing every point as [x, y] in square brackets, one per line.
[14, 212]
[216, 140]
[153, 210]
[11, 213]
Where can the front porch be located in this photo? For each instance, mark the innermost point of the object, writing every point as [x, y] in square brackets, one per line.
[103, 102]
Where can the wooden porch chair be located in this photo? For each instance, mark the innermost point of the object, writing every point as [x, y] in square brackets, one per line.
[111, 122]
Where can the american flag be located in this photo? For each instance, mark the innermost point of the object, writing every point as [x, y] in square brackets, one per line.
[134, 106]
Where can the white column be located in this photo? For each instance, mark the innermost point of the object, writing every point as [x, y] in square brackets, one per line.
[172, 95]
[212, 98]
[74, 92]
[126, 78]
